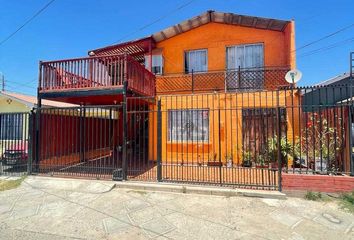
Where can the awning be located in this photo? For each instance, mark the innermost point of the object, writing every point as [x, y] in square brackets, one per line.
[137, 48]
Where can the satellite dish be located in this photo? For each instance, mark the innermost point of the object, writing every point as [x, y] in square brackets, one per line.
[293, 76]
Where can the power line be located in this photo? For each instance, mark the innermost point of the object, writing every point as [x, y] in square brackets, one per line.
[12, 85]
[27, 83]
[325, 37]
[27, 22]
[157, 20]
[328, 47]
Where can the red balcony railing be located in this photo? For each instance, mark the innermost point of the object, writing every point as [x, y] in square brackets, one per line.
[242, 79]
[96, 72]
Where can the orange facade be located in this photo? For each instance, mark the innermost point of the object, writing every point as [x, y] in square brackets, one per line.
[225, 130]
[215, 37]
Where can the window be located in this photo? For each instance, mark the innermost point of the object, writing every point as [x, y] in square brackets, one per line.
[11, 126]
[188, 125]
[196, 61]
[244, 56]
[157, 64]
[250, 59]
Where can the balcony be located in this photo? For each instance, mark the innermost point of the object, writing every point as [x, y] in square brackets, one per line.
[92, 76]
[238, 80]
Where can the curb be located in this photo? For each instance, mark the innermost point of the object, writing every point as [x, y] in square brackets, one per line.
[202, 190]
[102, 186]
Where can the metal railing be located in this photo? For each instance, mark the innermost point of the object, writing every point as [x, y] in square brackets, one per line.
[241, 79]
[96, 72]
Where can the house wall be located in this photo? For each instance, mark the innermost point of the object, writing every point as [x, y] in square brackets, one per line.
[225, 124]
[216, 37]
[13, 106]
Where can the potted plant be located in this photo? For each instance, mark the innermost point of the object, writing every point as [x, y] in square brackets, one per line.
[229, 159]
[246, 159]
[261, 161]
[285, 150]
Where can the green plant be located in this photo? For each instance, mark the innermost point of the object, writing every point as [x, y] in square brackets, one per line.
[285, 148]
[260, 160]
[10, 184]
[313, 196]
[320, 140]
[347, 201]
[246, 158]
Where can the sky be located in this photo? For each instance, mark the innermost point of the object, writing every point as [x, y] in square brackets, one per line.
[68, 29]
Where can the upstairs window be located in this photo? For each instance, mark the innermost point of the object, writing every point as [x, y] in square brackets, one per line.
[157, 64]
[244, 56]
[196, 61]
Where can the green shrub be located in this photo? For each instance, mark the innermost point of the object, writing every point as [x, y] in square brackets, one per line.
[347, 201]
[313, 196]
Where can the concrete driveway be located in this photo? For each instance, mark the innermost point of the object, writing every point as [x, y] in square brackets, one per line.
[48, 209]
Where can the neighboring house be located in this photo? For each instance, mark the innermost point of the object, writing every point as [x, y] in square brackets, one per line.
[19, 102]
[14, 126]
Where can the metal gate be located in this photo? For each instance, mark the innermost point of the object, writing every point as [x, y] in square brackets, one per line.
[84, 141]
[15, 144]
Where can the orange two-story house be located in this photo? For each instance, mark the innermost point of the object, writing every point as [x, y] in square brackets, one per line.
[213, 78]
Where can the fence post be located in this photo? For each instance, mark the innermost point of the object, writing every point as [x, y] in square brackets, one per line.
[192, 80]
[30, 142]
[219, 148]
[279, 155]
[239, 77]
[37, 133]
[159, 143]
[124, 105]
[81, 131]
[350, 117]
[350, 142]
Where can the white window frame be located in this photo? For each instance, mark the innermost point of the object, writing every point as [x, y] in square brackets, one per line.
[244, 55]
[160, 63]
[187, 56]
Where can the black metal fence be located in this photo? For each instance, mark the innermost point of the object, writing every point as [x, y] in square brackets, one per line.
[242, 139]
[15, 144]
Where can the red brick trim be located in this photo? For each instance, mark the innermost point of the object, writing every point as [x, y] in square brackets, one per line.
[320, 183]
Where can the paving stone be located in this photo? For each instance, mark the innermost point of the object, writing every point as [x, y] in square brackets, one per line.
[157, 227]
[114, 225]
[135, 204]
[144, 215]
[27, 213]
[285, 218]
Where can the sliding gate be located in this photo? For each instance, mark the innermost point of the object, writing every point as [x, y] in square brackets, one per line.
[79, 141]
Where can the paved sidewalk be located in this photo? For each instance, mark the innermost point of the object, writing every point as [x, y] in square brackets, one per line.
[37, 212]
